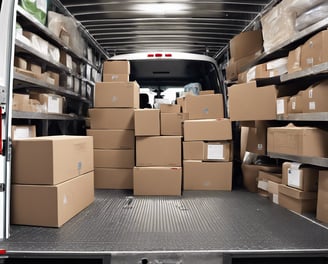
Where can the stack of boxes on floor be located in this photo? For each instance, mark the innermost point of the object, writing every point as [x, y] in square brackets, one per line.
[112, 127]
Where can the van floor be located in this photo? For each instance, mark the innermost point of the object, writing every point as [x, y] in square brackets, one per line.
[197, 221]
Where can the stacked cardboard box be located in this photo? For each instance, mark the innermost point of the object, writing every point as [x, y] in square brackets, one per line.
[52, 179]
[112, 127]
[158, 157]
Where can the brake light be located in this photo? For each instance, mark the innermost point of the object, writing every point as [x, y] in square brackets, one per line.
[168, 55]
[150, 55]
[158, 55]
[2, 251]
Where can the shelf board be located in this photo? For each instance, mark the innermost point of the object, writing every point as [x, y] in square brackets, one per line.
[304, 117]
[318, 161]
[317, 69]
[44, 116]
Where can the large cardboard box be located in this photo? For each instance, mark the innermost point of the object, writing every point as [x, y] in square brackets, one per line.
[171, 124]
[204, 106]
[170, 108]
[247, 102]
[297, 200]
[117, 67]
[115, 77]
[199, 175]
[322, 205]
[147, 122]
[207, 151]
[117, 94]
[300, 141]
[158, 151]
[300, 176]
[52, 159]
[111, 118]
[51, 205]
[295, 104]
[111, 178]
[314, 98]
[114, 158]
[112, 139]
[157, 180]
[207, 129]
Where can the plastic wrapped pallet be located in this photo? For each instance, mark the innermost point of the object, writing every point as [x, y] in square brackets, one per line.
[300, 6]
[312, 16]
[37, 8]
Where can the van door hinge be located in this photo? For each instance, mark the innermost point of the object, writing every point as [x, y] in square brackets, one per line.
[2, 187]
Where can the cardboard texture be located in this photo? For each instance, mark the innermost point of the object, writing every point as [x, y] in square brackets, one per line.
[182, 102]
[147, 122]
[111, 118]
[296, 200]
[282, 105]
[172, 124]
[51, 205]
[245, 100]
[116, 67]
[322, 204]
[158, 151]
[112, 139]
[257, 137]
[204, 106]
[110, 178]
[314, 98]
[300, 141]
[157, 181]
[204, 92]
[115, 77]
[19, 132]
[117, 94]
[52, 159]
[207, 129]
[114, 158]
[200, 175]
[170, 108]
[273, 187]
[295, 104]
[294, 60]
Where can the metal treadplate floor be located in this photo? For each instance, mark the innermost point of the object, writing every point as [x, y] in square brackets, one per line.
[221, 221]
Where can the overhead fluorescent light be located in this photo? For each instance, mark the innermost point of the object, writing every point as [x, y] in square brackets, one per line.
[163, 8]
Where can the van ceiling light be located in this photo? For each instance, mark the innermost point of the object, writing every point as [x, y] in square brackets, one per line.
[163, 8]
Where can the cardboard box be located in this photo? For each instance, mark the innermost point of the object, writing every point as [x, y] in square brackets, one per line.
[263, 182]
[273, 190]
[207, 151]
[314, 98]
[114, 158]
[207, 129]
[110, 178]
[111, 118]
[20, 63]
[282, 105]
[117, 94]
[199, 175]
[52, 159]
[204, 106]
[322, 205]
[300, 176]
[295, 104]
[66, 59]
[172, 124]
[55, 78]
[231, 70]
[299, 141]
[296, 200]
[170, 108]
[37, 43]
[147, 122]
[294, 60]
[19, 101]
[51, 205]
[205, 92]
[53, 103]
[116, 67]
[158, 151]
[246, 99]
[112, 139]
[182, 102]
[21, 131]
[257, 137]
[114, 77]
[157, 180]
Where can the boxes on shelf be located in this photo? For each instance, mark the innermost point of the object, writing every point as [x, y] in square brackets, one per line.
[271, 69]
[322, 205]
[282, 105]
[147, 122]
[112, 139]
[37, 43]
[294, 60]
[53, 53]
[117, 67]
[295, 104]
[172, 123]
[52, 103]
[21, 131]
[20, 63]
[256, 141]
[111, 118]
[314, 98]
[112, 178]
[114, 158]
[66, 59]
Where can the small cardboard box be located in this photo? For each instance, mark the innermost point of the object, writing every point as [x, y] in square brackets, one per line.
[295, 104]
[170, 108]
[114, 158]
[322, 205]
[199, 175]
[53, 103]
[257, 137]
[115, 77]
[111, 118]
[112, 139]
[147, 122]
[300, 141]
[51, 205]
[158, 151]
[117, 94]
[300, 176]
[116, 67]
[157, 180]
[172, 124]
[110, 178]
[314, 98]
[52, 159]
[20, 63]
[207, 129]
[21, 131]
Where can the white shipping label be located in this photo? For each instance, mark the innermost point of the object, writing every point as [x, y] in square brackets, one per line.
[215, 152]
[23, 132]
[311, 105]
[53, 104]
[263, 185]
[259, 146]
[293, 105]
[294, 178]
[42, 5]
[275, 198]
[271, 73]
[311, 93]
[280, 106]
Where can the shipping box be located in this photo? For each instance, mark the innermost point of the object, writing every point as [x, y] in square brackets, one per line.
[117, 94]
[51, 205]
[294, 60]
[199, 175]
[263, 181]
[157, 180]
[247, 102]
[21, 131]
[115, 77]
[172, 123]
[52, 103]
[52, 159]
[111, 118]
[257, 137]
[300, 141]
[314, 98]
[207, 129]
[282, 105]
[158, 151]
[295, 104]
[322, 205]
[112, 139]
[273, 190]
[114, 158]
[117, 67]
[111, 178]
[170, 108]
[147, 122]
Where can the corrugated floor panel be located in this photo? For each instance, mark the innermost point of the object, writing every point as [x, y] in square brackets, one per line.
[221, 221]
